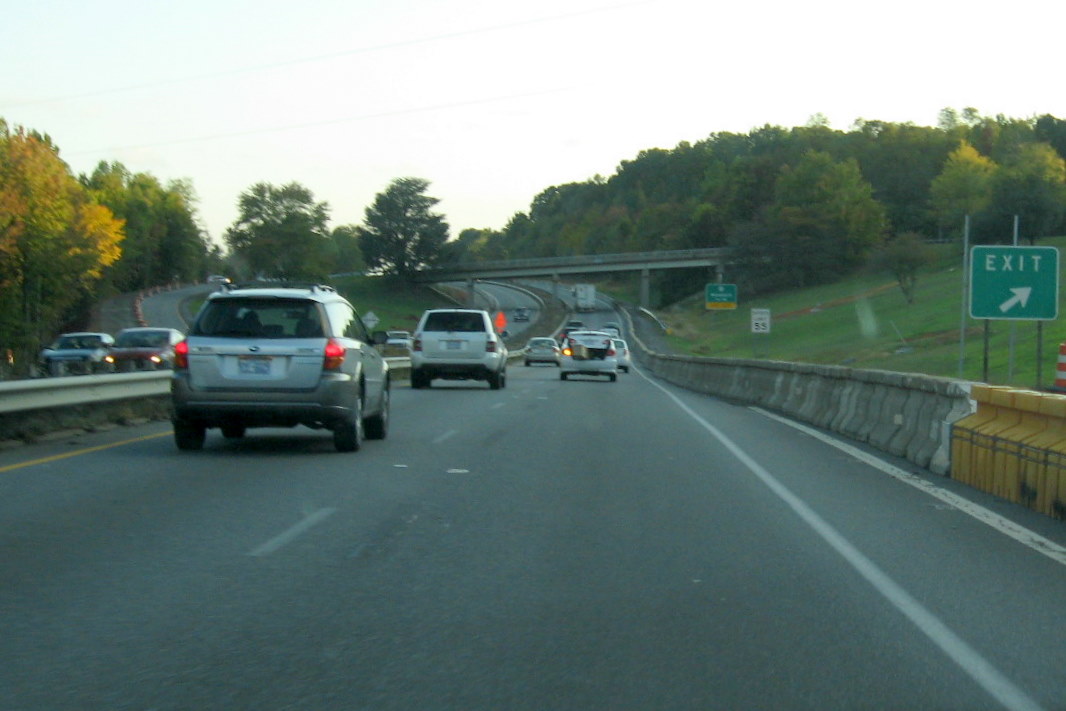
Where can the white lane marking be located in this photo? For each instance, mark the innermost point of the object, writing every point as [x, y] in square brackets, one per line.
[968, 659]
[446, 435]
[1005, 526]
[280, 540]
[496, 406]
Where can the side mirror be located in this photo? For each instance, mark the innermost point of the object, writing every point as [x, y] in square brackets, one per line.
[379, 337]
[505, 334]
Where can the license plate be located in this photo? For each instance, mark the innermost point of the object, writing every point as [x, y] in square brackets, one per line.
[455, 345]
[253, 365]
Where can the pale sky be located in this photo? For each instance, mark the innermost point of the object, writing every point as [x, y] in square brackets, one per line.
[492, 101]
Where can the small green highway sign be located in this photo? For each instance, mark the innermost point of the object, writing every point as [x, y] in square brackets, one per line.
[1014, 282]
[721, 296]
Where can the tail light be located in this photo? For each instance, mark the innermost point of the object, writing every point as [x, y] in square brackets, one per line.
[612, 352]
[490, 346]
[181, 356]
[567, 352]
[416, 344]
[333, 356]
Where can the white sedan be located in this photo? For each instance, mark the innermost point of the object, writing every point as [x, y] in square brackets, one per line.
[621, 350]
[588, 353]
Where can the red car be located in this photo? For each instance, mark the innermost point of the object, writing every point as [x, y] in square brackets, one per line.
[144, 348]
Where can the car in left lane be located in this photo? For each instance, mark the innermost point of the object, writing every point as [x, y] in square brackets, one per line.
[542, 349]
[77, 353]
[397, 343]
[144, 348]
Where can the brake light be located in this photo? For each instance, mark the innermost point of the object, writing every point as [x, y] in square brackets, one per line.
[567, 351]
[333, 356]
[181, 356]
[490, 346]
[416, 345]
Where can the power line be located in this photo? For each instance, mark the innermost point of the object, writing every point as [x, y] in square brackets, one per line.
[324, 57]
[315, 124]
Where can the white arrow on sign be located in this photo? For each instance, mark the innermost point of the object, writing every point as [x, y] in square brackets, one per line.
[1021, 296]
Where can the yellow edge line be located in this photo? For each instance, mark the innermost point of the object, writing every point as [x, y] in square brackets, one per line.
[77, 452]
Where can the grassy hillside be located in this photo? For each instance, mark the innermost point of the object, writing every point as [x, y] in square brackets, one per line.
[397, 305]
[865, 322]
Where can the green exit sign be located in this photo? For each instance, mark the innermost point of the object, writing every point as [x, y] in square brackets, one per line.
[721, 296]
[1014, 282]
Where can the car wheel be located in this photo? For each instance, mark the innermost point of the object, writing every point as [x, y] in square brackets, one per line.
[419, 380]
[189, 435]
[613, 377]
[233, 430]
[348, 434]
[495, 381]
[562, 376]
[377, 426]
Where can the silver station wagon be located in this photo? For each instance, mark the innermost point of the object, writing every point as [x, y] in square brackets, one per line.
[279, 356]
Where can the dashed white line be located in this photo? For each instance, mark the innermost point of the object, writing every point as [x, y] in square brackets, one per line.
[280, 540]
[446, 435]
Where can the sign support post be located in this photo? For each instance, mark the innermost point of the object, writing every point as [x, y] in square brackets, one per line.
[1012, 283]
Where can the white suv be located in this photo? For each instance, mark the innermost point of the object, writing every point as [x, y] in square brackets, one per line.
[457, 344]
[279, 357]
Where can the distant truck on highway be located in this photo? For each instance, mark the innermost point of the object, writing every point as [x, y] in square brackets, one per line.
[585, 295]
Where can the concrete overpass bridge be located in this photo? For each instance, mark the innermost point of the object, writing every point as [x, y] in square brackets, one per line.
[555, 267]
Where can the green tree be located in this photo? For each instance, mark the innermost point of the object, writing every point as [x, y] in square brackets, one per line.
[400, 232]
[163, 241]
[903, 257]
[1031, 185]
[349, 258]
[55, 241]
[964, 187]
[824, 219]
[282, 232]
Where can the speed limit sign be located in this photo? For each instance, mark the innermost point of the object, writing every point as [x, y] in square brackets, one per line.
[760, 320]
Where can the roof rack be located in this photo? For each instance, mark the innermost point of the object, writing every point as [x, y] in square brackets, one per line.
[278, 284]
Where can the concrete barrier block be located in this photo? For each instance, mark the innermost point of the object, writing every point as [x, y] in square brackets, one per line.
[888, 419]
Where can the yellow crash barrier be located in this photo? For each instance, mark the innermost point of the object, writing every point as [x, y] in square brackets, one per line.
[1014, 446]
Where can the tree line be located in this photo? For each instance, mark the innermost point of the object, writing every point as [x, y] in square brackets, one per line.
[67, 242]
[800, 206]
[804, 205]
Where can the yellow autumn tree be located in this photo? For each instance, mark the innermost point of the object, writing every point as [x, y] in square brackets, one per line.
[54, 242]
[964, 187]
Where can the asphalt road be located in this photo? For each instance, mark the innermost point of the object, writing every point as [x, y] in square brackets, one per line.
[551, 545]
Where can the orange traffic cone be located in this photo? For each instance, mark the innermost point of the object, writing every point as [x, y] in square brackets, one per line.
[1060, 371]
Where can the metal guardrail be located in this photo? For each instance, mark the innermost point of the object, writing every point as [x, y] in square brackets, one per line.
[67, 391]
[572, 264]
[40, 393]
